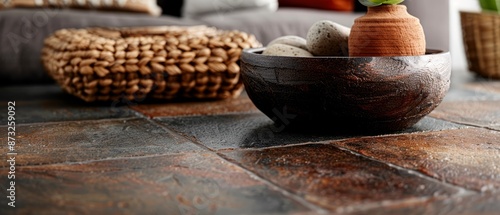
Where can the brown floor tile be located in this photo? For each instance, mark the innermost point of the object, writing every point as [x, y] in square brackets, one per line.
[477, 204]
[466, 157]
[432, 124]
[478, 113]
[48, 103]
[193, 183]
[238, 131]
[470, 95]
[489, 86]
[333, 178]
[466, 86]
[32, 92]
[258, 131]
[461, 77]
[92, 140]
[242, 104]
[495, 127]
[62, 110]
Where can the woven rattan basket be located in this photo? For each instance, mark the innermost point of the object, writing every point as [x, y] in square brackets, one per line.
[98, 64]
[481, 36]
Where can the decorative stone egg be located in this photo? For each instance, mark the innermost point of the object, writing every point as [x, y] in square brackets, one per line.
[286, 50]
[327, 38]
[291, 40]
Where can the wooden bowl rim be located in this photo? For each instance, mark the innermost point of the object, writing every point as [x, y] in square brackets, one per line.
[265, 78]
[258, 51]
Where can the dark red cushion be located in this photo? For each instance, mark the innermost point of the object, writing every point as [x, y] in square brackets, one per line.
[338, 5]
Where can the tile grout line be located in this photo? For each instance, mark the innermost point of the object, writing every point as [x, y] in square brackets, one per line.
[96, 160]
[339, 140]
[203, 115]
[140, 114]
[461, 190]
[284, 191]
[355, 208]
[472, 125]
[251, 174]
[167, 129]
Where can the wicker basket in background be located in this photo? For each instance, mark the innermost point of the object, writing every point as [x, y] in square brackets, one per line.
[481, 36]
[98, 64]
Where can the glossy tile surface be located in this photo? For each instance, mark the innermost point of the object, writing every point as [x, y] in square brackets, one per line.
[238, 131]
[225, 157]
[40, 104]
[484, 86]
[257, 131]
[333, 178]
[485, 203]
[93, 140]
[466, 157]
[242, 104]
[477, 113]
[172, 184]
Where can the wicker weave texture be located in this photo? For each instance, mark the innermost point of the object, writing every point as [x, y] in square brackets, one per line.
[481, 37]
[98, 64]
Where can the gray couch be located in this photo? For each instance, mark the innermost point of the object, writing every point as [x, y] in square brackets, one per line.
[23, 30]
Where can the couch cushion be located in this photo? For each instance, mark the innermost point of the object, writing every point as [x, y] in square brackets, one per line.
[197, 8]
[23, 32]
[267, 26]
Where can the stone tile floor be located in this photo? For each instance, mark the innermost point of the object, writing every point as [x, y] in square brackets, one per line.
[225, 157]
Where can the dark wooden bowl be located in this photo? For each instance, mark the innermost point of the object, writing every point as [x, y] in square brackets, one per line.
[358, 94]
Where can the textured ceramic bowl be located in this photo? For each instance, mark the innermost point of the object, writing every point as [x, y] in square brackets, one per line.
[354, 93]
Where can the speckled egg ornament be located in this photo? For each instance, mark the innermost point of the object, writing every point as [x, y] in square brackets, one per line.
[290, 40]
[286, 50]
[327, 38]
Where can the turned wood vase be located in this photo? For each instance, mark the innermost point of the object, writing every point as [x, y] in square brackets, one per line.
[357, 94]
[387, 30]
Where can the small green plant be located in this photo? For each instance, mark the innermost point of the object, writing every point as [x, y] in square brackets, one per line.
[373, 3]
[490, 5]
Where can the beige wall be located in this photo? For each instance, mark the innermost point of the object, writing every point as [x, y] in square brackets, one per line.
[441, 22]
[434, 17]
[456, 44]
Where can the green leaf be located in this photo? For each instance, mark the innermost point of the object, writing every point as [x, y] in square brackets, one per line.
[373, 3]
[492, 5]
